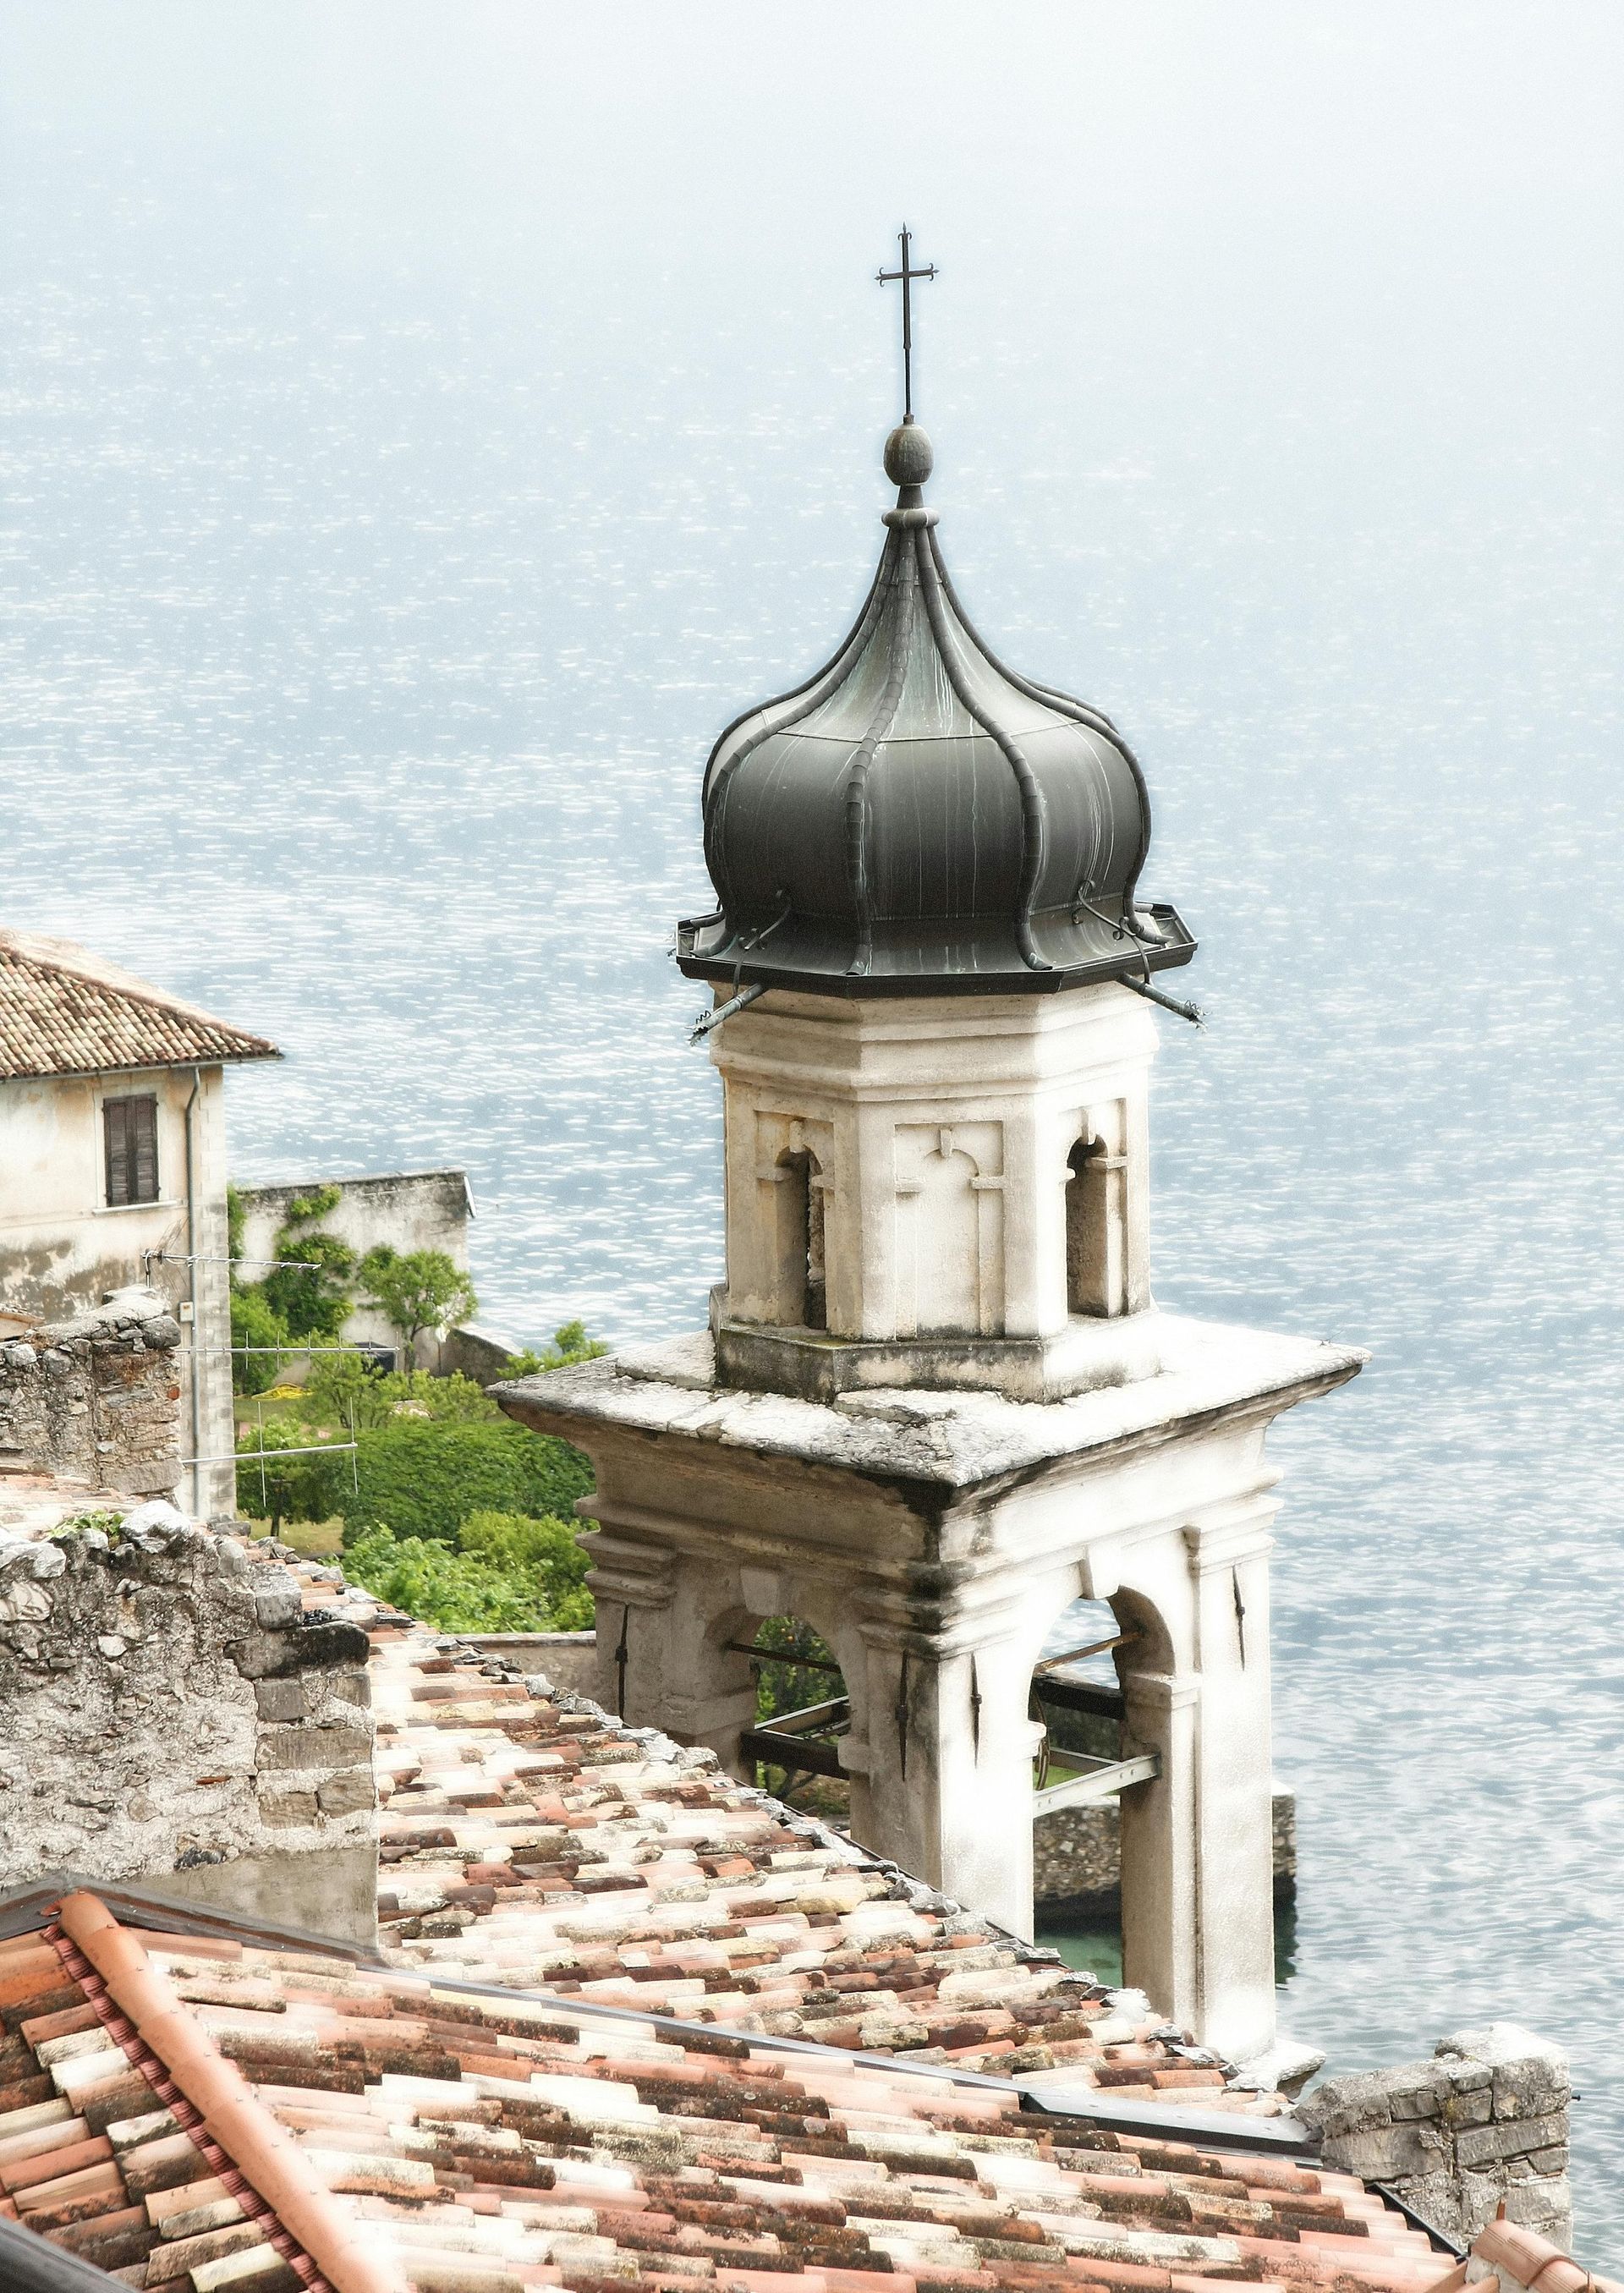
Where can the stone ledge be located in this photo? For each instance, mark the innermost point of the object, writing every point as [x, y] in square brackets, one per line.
[952, 1439]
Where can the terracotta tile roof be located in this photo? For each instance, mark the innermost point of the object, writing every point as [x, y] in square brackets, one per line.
[533, 1841]
[430, 2139]
[65, 1011]
[1522, 2257]
[100, 2150]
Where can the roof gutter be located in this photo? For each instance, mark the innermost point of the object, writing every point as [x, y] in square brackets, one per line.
[30, 2263]
[261, 2149]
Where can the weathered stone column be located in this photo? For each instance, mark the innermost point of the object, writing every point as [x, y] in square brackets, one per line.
[942, 1778]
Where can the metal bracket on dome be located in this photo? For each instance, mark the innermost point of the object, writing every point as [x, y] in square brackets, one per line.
[708, 1021]
[1119, 928]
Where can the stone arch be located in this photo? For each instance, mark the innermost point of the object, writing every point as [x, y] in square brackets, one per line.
[800, 1671]
[802, 1282]
[1096, 1220]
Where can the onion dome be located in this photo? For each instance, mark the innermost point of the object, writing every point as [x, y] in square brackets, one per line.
[918, 818]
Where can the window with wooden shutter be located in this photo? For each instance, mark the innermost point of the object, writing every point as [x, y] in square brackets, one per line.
[132, 1150]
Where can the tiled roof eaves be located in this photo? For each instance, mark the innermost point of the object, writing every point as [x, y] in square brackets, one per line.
[64, 1018]
[27, 1909]
[1284, 2137]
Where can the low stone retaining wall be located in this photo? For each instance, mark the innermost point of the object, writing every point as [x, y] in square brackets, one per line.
[1077, 1854]
[169, 1712]
[1484, 2123]
[96, 1399]
[565, 1658]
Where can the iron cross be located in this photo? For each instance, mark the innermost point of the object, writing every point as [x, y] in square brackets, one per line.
[907, 275]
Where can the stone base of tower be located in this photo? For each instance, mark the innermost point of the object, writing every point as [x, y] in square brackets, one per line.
[931, 1538]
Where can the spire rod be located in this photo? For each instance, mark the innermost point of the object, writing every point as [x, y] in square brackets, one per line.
[907, 275]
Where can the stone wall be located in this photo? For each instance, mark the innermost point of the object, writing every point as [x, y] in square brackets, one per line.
[1484, 2122]
[96, 1399]
[409, 1209]
[1076, 1853]
[169, 1712]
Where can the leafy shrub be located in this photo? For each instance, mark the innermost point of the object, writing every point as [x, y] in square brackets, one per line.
[343, 1389]
[505, 1575]
[311, 1289]
[547, 1551]
[255, 1322]
[274, 1487]
[425, 1479]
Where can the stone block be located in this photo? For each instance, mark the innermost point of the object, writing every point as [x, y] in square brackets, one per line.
[1418, 2090]
[304, 1647]
[278, 1601]
[280, 1808]
[1505, 2138]
[279, 1699]
[345, 1793]
[280, 1748]
[1529, 2074]
[1390, 2152]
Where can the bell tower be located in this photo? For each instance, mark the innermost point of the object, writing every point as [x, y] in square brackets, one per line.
[937, 1403]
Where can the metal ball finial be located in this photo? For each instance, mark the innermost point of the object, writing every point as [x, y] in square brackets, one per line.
[908, 456]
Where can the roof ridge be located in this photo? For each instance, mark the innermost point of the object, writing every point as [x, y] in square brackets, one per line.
[260, 2149]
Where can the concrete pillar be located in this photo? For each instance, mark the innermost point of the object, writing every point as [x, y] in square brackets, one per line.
[940, 1759]
[1198, 1885]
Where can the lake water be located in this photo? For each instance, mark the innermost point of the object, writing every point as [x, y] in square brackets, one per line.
[371, 596]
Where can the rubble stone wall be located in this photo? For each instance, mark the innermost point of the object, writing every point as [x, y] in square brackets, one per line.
[169, 1712]
[96, 1398]
[1484, 2122]
[1076, 1853]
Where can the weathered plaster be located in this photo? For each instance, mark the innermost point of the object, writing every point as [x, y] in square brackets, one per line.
[63, 1251]
[932, 1538]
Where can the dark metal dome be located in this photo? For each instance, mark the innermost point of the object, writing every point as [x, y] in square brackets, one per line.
[919, 820]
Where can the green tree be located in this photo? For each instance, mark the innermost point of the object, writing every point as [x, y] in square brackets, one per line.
[255, 1327]
[311, 1287]
[417, 1290]
[453, 1591]
[547, 1553]
[424, 1479]
[276, 1486]
[570, 1344]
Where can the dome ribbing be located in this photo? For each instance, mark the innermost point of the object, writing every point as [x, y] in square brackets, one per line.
[919, 819]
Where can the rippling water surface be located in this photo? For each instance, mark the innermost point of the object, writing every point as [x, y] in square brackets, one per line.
[372, 590]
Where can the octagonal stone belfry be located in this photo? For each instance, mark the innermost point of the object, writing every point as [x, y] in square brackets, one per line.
[936, 1403]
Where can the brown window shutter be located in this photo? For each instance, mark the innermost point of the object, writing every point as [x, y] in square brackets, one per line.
[115, 1117]
[132, 1150]
[143, 1149]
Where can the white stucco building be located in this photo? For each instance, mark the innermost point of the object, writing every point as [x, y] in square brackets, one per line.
[113, 1171]
[937, 1404]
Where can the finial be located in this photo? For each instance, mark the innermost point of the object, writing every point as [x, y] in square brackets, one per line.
[908, 458]
[907, 274]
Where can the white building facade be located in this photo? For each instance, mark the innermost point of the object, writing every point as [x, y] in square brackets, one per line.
[113, 1169]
